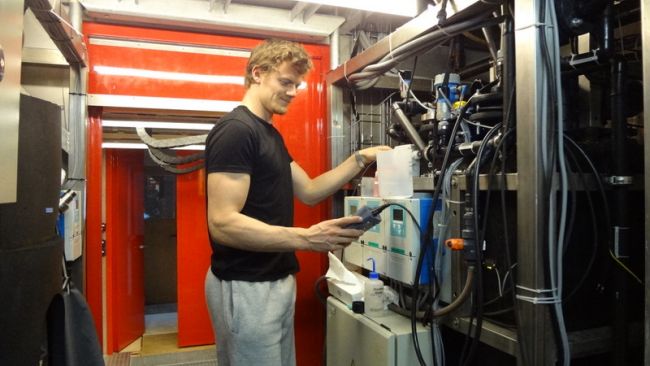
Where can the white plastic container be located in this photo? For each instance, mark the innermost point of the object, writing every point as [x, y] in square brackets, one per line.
[395, 170]
[373, 293]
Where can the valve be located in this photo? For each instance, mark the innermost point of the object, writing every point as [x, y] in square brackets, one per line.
[455, 243]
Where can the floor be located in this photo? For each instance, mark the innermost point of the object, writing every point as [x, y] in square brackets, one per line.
[158, 345]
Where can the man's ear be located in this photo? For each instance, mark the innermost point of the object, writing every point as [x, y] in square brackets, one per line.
[256, 73]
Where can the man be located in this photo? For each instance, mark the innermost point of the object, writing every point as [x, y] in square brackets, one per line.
[251, 181]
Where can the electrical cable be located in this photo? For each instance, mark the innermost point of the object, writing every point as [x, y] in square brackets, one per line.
[605, 203]
[478, 288]
[436, 193]
[323, 302]
[369, 76]
[416, 281]
[520, 338]
[594, 223]
[440, 224]
[408, 90]
[559, 280]
[423, 242]
[551, 83]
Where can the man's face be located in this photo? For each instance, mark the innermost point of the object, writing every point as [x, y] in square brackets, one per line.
[277, 88]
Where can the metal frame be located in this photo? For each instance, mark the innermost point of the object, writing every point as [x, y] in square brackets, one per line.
[645, 36]
[11, 14]
[66, 36]
[536, 330]
[195, 15]
[535, 325]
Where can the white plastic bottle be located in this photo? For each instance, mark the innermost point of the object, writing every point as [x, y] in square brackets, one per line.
[373, 293]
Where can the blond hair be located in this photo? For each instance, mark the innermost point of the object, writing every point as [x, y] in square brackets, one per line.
[269, 54]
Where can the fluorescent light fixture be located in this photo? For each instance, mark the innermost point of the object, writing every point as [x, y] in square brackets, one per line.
[162, 46]
[159, 125]
[406, 8]
[135, 145]
[177, 76]
[166, 75]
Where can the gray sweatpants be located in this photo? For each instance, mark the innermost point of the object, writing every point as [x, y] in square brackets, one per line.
[252, 321]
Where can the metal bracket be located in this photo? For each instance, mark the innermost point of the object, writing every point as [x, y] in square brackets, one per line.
[574, 62]
[618, 180]
[304, 9]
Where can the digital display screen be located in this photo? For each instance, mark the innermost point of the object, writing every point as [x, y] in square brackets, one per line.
[353, 209]
[398, 215]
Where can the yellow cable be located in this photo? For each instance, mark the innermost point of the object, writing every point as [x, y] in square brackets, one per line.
[625, 267]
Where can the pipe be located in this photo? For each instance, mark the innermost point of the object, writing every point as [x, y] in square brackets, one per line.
[458, 301]
[607, 30]
[492, 47]
[620, 216]
[464, 294]
[77, 111]
[411, 132]
[508, 66]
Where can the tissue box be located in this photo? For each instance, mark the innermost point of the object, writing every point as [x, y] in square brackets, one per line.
[345, 292]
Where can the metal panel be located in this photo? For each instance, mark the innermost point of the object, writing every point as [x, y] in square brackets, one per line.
[501, 338]
[11, 15]
[162, 46]
[61, 31]
[335, 97]
[512, 183]
[645, 36]
[537, 342]
[363, 340]
[93, 238]
[195, 15]
[132, 101]
[43, 56]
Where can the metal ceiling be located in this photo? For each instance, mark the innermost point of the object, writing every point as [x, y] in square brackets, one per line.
[295, 20]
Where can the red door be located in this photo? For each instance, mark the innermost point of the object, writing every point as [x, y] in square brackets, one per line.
[124, 239]
[193, 260]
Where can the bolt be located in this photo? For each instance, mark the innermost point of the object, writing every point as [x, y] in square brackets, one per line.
[576, 22]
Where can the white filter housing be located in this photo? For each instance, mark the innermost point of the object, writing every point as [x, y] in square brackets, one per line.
[72, 230]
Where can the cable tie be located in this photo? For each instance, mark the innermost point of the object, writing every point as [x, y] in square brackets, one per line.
[390, 46]
[539, 300]
[594, 57]
[535, 25]
[537, 291]
[345, 72]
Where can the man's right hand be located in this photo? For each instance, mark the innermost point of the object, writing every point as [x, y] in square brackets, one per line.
[331, 234]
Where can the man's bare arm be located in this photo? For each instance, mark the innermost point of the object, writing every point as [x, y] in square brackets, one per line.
[227, 193]
[312, 191]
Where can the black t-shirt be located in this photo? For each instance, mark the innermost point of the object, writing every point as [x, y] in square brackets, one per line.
[241, 142]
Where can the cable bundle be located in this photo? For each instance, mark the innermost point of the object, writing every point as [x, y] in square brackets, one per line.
[160, 153]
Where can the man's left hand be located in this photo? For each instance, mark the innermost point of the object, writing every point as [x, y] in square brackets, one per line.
[370, 154]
